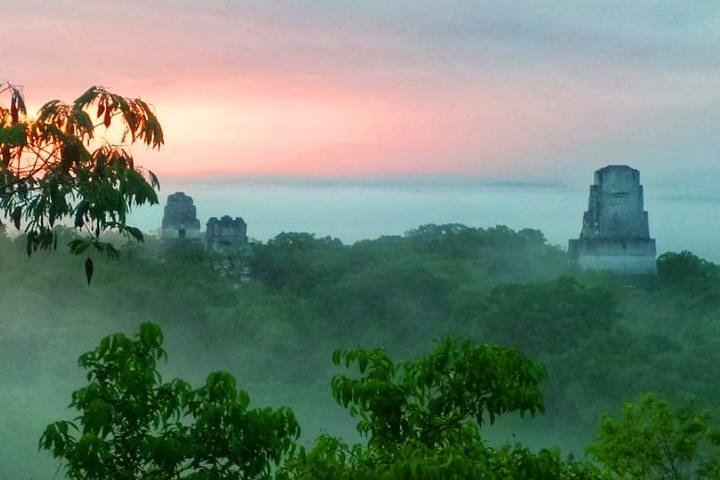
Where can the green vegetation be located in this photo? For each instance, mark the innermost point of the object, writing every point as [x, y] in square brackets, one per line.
[588, 342]
[61, 163]
[421, 418]
[132, 425]
[654, 440]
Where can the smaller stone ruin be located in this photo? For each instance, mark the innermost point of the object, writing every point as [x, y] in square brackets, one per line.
[226, 236]
[180, 219]
[615, 235]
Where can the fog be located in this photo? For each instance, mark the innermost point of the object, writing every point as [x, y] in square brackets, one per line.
[273, 338]
[682, 217]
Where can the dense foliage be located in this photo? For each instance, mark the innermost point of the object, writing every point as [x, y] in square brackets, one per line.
[653, 440]
[421, 419]
[694, 276]
[602, 339]
[134, 426]
[546, 317]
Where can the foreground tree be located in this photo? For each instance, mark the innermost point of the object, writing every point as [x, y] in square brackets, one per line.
[654, 441]
[70, 160]
[132, 425]
[422, 419]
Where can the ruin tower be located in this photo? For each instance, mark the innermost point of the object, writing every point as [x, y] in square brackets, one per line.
[226, 236]
[615, 233]
[180, 218]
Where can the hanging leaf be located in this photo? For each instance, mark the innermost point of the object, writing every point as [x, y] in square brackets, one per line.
[19, 101]
[134, 232]
[88, 270]
[28, 245]
[87, 97]
[79, 245]
[101, 109]
[80, 213]
[154, 179]
[16, 214]
[106, 120]
[14, 109]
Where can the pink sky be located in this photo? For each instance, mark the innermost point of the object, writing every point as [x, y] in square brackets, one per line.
[313, 89]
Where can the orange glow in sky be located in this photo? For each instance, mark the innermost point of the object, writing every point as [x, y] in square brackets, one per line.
[324, 89]
[337, 132]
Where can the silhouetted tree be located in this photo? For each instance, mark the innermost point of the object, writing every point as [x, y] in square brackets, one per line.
[55, 165]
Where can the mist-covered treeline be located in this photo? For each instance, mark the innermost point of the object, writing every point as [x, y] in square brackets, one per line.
[602, 338]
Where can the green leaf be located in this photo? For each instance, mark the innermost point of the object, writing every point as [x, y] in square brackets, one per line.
[89, 269]
[134, 232]
[16, 216]
[13, 135]
[79, 245]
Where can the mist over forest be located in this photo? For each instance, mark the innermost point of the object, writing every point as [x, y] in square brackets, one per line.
[683, 216]
[275, 322]
[381, 261]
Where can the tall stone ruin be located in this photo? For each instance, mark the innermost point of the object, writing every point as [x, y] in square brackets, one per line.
[615, 234]
[180, 218]
[226, 236]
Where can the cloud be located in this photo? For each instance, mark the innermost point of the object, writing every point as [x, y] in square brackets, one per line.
[320, 87]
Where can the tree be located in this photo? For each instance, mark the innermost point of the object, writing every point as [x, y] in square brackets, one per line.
[654, 441]
[546, 317]
[134, 426]
[425, 398]
[533, 236]
[62, 163]
[422, 418]
[688, 273]
[298, 261]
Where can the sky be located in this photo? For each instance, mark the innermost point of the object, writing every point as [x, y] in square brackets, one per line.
[522, 90]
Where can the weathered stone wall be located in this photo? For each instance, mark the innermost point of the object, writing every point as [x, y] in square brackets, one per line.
[615, 234]
[635, 256]
[226, 235]
[615, 207]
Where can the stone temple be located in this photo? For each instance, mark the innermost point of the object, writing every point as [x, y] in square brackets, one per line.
[226, 236]
[180, 219]
[615, 234]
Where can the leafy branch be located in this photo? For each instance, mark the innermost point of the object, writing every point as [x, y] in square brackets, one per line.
[59, 164]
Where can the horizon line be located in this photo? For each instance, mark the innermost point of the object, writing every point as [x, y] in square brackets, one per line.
[360, 181]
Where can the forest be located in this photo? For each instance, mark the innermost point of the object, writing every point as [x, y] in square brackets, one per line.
[446, 352]
[417, 303]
